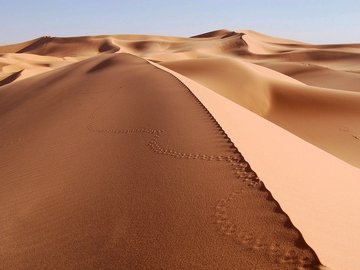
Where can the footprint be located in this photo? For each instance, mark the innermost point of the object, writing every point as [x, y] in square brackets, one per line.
[275, 249]
[305, 261]
[289, 257]
[227, 228]
[259, 244]
[244, 238]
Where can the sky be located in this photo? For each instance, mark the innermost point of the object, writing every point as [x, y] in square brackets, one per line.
[313, 21]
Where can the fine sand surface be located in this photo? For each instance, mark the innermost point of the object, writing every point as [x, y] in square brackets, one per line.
[318, 191]
[16, 66]
[325, 117]
[108, 161]
[221, 61]
[112, 163]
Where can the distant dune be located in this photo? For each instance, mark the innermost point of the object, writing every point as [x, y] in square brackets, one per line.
[108, 161]
[228, 54]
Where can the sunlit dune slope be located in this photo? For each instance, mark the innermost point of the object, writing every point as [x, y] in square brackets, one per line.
[320, 192]
[228, 62]
[324, 117]
[221, 60]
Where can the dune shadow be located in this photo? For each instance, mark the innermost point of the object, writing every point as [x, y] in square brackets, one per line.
[103, 64]
[11, 78]
[108, 47]
[38, 43]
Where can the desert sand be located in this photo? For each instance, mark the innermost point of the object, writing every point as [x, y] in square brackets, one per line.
[132, 151]
[320, 192]
[234, 56]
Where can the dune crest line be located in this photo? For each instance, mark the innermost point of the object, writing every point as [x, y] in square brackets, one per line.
[133, 173]
[242, 171]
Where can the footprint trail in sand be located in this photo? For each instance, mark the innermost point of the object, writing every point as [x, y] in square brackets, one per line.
[151, 182]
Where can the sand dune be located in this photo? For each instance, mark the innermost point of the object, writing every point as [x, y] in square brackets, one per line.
[317, 75]
[57, 46]
[340, 61]
[16, 66]
[109, 162]
[122, 179]
[320, 193]
[326, 118]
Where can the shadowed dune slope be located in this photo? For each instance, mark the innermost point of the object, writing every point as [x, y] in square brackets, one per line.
[111, 163]
[10, 78]
[13, 48]
[63, 46]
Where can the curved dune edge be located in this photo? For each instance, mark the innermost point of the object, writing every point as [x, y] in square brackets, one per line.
[133, 172]
[320, 193]
[323, 117]
[333, 66]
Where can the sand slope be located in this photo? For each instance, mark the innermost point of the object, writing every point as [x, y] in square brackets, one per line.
[340, 60]
[320, 192]
[220, 58]
[106, 161]
[112, 163]
[20, 66]
[326, 118]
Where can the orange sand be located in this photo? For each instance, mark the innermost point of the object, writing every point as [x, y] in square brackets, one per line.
[125, 147]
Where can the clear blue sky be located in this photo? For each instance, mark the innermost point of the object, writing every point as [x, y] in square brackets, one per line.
[315, 21]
